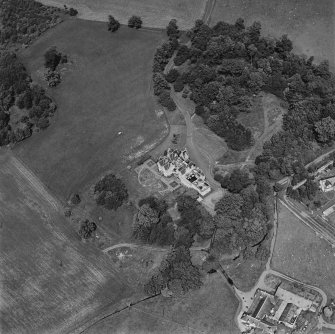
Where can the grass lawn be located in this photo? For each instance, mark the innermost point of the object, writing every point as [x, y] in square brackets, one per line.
[50, 280]
[299, 253]
[309, 23]
[154, 13]
[208, 310]
[106, 90]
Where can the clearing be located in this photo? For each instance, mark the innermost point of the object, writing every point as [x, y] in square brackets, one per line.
[210, 309]
[154, 13]
[264, 120]
[106, 90]
[50, 281]
[309, 23]
[302, 255]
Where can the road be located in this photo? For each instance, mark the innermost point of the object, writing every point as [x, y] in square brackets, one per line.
[320, 158]
[159, 249]
[199, 157]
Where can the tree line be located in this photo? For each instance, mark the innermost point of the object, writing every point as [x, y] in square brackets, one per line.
[20, 96]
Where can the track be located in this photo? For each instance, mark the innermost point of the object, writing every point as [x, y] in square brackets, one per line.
[322, 228]
[208, 11]
[18, 168]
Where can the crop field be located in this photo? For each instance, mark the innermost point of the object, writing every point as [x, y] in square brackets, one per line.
[299, 253]
[50, 280]
[208, 310]
[309, 23]
[154, 13]
[106, 110]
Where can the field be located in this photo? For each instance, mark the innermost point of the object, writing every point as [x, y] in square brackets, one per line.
[50, 280]
[299, 253]
[106, 91]
[309, 23]
[208, 310]
[154, 13]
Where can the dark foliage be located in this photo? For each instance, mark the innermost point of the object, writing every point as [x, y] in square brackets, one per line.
[156, 204]
[52, 58]
[236, 181]
[113, 24]
[176, 272]
[172, 30]
[73, 11]
[229, 63]
[16, 88]
[178, 86]
[86, 229]
[153, 225]
[135, 22]
[166, 101]
[182, 55]
[75, 199]
[160, 83]
[24, 20]
[172, 76]
[110, 192]
[190, 213]
[163, 55]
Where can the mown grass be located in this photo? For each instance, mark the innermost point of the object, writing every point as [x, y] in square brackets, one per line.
[106, 90]
[309, 23]
[301, 254]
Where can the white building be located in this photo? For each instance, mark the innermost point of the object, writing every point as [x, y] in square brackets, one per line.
[327, 184]
[176, 162]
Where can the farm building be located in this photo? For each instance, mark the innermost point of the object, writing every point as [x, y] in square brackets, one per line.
[268, 311]
[178, 163]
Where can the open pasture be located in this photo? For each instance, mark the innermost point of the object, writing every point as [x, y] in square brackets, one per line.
[301, 254]
[309, 23]
[106, 110]
[154, 13]
[51, 282]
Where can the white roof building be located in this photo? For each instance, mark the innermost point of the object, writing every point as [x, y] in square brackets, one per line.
[176, 162]
[327, 184]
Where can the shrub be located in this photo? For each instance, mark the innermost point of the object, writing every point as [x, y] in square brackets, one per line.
[75, 199]
[135, 22]
[113, 24]
[52, 58]
[42, 123]
[86, 229]
[73, 12]
[166, 101]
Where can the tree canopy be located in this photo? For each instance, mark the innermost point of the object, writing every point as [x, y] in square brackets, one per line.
[110, 192]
